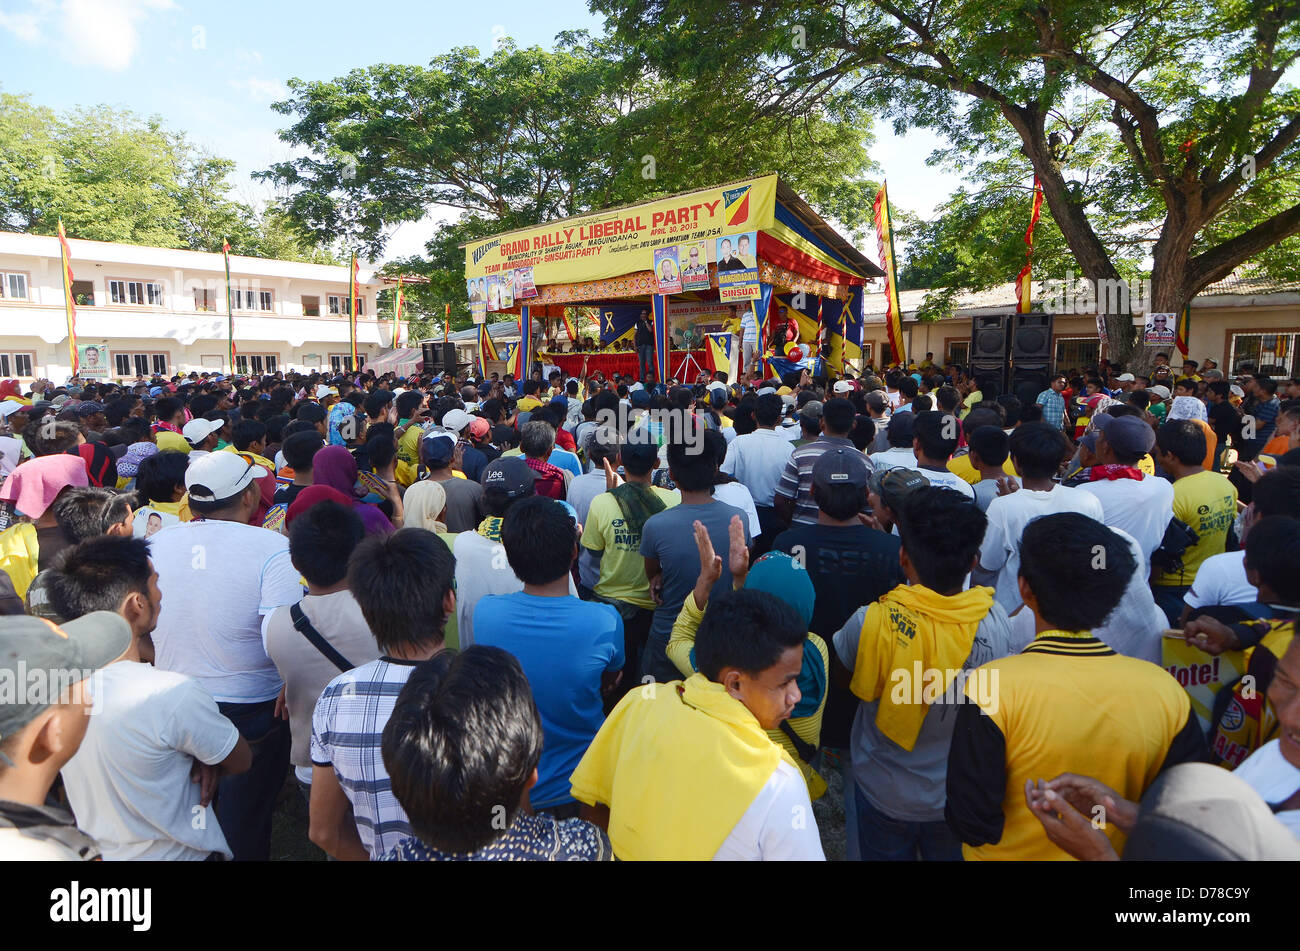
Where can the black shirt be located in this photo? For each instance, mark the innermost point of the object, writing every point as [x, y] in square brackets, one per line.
[850, 565]
[1225, 421]
[645, 335]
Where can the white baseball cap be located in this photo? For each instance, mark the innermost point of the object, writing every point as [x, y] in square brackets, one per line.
[1160, 391]
[9, 407]
[220, 475]
[323, 391]
[843, 386]
[1126, 378]
[197, 430]
[455, 420]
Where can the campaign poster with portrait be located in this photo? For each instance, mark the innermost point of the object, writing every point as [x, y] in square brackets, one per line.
[493, 292]
[1159, 328]
[737, 267]
[507, 284]
[668, 279]
[92, 361]
[1101, 327]
[694, 261]
[522, 279]
[478, 311]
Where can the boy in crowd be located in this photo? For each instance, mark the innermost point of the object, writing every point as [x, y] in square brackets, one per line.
[930, 624]
[685, 771]
[403, 585]
[934, 439]
[299, 450]
[989, 453]
[1066, 699]
[1131, 501]
[157, 744]
[450, 711]
[571, 650]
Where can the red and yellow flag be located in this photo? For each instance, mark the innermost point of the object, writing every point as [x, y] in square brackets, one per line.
[230, 310]
[352, 310]
[69, 304]
[885, 242]
[1024, 280]
[446, 322]
[1183, 331]
[397, 315]
[568, 324]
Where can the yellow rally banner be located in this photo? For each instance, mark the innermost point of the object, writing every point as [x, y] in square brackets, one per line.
[610, 243]
[1199, 673]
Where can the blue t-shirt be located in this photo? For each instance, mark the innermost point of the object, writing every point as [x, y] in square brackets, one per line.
[563, 645]
[565, 460]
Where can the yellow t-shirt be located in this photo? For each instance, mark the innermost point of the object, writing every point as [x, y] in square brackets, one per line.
[961, 467]
[1207, 503]
[528, 404]
[622, 568]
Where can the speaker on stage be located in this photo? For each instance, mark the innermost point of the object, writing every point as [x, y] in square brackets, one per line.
[427, 357]
[988, 339]
[1031, 341]
[447, 357]
[991, 378]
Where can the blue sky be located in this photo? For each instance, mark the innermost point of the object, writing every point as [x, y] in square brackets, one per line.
[213, 69]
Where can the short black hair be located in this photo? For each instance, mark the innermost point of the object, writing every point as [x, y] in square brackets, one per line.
[1276, 493]
[746, 629]
[899, 430]
[990, 443]
[88, 511]
[98, 575]
[1036, 449]
[987, 413]
[839, 501]
[691, 471]
[246, 432]
[838, 415]
[947, 398]
[460, 745]
[1273, 549]
[863, 432]
[941, 531]
[300, 448]
[1011, 407]
[159, 475]
[907, 386]
[1076, 567]
[1182, 439]
[381, 451]
[536, 532]
[399, 581]
[938, 433]
[408, 403]
[311, 413]
[322, 539]
[768, 409]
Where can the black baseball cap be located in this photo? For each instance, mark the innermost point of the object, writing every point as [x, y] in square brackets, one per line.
[439, 448]
[509, 476]
[894, 485]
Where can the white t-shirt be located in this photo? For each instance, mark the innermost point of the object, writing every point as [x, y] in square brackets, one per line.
[948, 480]
[778, 825]
[757, 460]
[901, 457]
[1142, 509]
[218, 581]
[1221, 579]
[482, 569]
[1268, 773]
[1008, 515]
[129, 782]
[734, 493]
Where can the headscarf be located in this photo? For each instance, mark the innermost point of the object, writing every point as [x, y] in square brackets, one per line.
[423, 503]
[334, 467]
[34, 485]
[10, 390]
[129, 465]
[1187, 407]
[101, 465]
[314, 495]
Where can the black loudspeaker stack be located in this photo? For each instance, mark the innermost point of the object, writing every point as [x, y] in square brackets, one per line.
[438, 357]
[1011, 352]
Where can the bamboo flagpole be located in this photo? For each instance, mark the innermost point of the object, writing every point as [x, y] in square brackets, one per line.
[230, 310]
[69, 304]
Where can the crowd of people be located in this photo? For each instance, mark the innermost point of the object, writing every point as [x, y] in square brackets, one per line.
[586, 619]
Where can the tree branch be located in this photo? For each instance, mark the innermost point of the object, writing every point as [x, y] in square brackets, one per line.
[1221, 260]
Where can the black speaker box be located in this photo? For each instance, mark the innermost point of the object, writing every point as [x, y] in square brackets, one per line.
[988, 339]
[1031, 340]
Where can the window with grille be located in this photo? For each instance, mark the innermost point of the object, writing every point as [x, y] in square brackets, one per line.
[13, 286]
[1265, 354]
[1077, 352]
[17, 364]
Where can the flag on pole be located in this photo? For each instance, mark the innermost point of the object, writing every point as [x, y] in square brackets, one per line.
[446, 322]
[230, 309]
[885, 242]
[487, 350]
[1024, 282]
[69, 305]
[821, 326]
[1183, 330]
[352, 311]
[397, 314]
[524, 352]
[568, 325]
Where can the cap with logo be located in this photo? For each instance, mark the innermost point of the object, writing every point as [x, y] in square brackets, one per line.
[509, 476]
[66, 654]
[843, 386]
[840, 466]
[895, 485]
[219, 476]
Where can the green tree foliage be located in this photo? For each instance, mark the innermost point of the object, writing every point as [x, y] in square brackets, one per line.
[114, 176]
[526, 136]
[1160, 120]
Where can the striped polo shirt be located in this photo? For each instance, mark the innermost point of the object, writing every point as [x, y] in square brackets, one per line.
[796, 479]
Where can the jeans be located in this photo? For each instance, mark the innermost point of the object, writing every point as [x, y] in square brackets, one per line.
[1169, 598]
[882, 838]
[244, 803]
[655, 662]
[645, 361]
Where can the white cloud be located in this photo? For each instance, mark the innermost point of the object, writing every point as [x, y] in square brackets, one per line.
[27, 24]
[261, 90]
[105, 33]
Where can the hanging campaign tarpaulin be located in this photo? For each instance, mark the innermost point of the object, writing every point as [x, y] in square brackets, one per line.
[694, 261]
[737, 267]
[522, 281]
[668, 269]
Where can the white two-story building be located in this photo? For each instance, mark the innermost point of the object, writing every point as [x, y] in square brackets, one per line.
[162, 310]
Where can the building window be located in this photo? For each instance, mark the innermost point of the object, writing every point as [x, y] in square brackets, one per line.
[1264, 354]
[13, 286]
[264, 298]
[259, 363]
[338, 304]
[886, 354]
[17, 364]
[342, 362]
[83, 293]
[140, 364]
[310, 305]
[959, 352]
[205, 299]
[137, 293]
[1075, 353]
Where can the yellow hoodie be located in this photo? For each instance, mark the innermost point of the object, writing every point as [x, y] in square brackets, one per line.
[677, 764]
